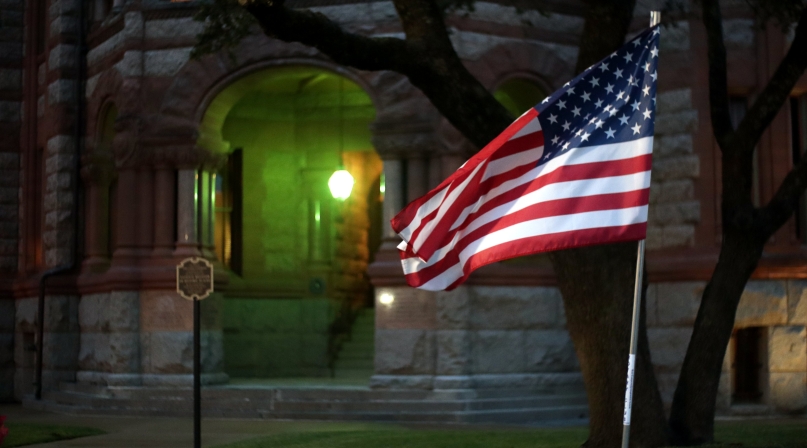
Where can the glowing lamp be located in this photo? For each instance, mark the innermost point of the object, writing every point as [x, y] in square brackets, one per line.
[386, 299]
[341, 184]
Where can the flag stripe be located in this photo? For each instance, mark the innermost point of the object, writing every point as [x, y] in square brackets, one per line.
[454, 275]
[576, 208]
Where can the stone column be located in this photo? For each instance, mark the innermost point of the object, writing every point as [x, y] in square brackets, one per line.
[187, 213]
[96, 231]
[393, 194]
[164, 181]
[127, 208]
[145, 211]
[416, 178]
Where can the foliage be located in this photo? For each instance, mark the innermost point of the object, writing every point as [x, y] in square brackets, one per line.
[226, 24]
[21, 434]
[783, 12]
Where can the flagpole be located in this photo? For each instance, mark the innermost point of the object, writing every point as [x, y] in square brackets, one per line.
[655, 18]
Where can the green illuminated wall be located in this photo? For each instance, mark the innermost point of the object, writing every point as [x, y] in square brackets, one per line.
[292, 126]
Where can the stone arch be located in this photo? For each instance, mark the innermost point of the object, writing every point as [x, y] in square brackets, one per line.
[184, 104]
[533, 61]
[106, 91]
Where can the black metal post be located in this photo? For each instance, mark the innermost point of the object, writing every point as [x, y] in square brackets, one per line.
[197, 371]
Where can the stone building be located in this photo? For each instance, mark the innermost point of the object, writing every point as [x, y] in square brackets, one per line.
[139, 156]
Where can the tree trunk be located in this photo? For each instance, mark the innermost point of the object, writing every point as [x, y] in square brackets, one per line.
[597, 288]
[693, 408]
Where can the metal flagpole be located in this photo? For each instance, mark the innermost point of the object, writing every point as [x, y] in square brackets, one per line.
[655, 18]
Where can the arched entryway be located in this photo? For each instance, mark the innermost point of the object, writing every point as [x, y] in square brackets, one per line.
[297, 257]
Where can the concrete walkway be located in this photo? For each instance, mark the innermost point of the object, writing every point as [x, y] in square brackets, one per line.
[167, 432]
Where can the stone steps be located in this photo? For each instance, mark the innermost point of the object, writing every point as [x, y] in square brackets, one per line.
[356, 358]
[353, 404]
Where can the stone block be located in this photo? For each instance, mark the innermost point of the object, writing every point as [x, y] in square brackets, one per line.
[118, 311]
[680, 235]
[212, 356]
[60, 163]
[739, 33]
[676, 191]
[167, 352]
[454, 309]
[763, 303]
[171, 28]
[676, 213]
[60, 144]
[23, 383]
[788, 391]
[498, 351]
[549, 351]
[10, 111]
[62, 57]
[674, 101]
[110, 352]
[723, 401]
[651, 305]
[165, 311]
[405, 351]
[678, 302]
[10, 79]
[654, 237]
[419, 382]
[677, 167]
[411, 309]
[787, 349]
[682, 122]
[797, 302]
[62, 91]
[60, 351]
[514, 308]
[668, 347]
[313, 350]
[675, 38]
[453, 352]
[166, 62]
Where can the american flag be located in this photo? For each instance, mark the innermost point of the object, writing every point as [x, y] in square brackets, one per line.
[572, 171]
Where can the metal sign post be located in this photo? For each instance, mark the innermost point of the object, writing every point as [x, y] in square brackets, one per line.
[195, 282]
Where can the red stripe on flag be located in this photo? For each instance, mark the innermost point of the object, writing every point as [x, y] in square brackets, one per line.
[442, 232]
[534, 245]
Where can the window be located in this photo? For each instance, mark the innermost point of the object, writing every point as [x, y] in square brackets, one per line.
[748, 364]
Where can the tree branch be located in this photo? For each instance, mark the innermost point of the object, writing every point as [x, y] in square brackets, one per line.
[606, 24]
[776, 92]
[426, 58]
[786, 199]
[718, 82]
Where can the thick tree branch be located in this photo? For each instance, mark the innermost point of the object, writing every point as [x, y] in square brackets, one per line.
[426, 58]
[786, 199]
[718, 82]
[606, 24]
[776, 92]
[316, 30]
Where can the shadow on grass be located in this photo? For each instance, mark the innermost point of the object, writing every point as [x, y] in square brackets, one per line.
[21, 434]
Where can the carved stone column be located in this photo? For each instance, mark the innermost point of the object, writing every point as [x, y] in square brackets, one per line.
[97, 174]
[165, 186]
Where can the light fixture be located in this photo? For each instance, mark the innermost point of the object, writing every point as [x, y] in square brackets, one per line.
[341, 181]
[386, 299]
[341, 184]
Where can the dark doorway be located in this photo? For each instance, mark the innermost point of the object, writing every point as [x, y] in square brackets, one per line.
[748, 357]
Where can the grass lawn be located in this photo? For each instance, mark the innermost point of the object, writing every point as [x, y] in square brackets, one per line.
[747, 434]
[20, 434]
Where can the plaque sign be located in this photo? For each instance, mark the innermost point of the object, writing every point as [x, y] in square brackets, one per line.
[194, 278]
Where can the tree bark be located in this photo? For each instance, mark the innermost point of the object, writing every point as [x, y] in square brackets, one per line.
[597, 287]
